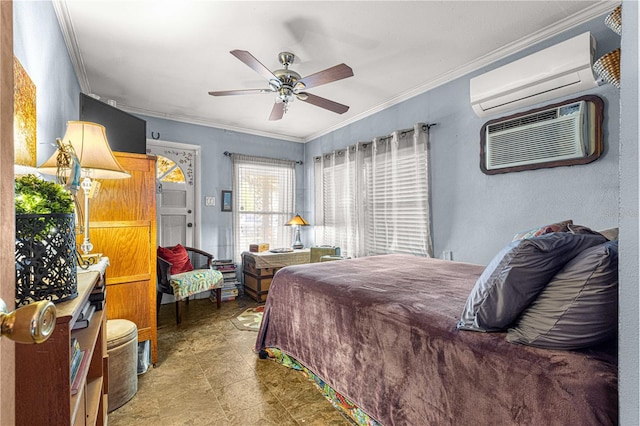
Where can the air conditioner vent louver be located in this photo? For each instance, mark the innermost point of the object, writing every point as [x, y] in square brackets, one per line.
[551, 135]
[523, 121]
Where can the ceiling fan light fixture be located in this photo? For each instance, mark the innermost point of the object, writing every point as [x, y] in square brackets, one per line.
[286, 93]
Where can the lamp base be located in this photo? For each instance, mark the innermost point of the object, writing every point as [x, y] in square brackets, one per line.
[297, 244]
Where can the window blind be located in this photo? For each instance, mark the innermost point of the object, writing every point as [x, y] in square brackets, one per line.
[397, 191]
[263, 201]
[375, 196]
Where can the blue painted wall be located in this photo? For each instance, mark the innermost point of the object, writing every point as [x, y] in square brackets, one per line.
[629, 266]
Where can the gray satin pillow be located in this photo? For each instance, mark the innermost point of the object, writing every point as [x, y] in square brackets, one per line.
[578, 308]
[515, 277]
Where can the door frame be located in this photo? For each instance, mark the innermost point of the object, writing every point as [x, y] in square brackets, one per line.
[197, 208]
[7, 210]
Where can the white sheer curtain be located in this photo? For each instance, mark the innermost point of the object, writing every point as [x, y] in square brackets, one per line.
[373, 197]
[263, 200]
[337, 218]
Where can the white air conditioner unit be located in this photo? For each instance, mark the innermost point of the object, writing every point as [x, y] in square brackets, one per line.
[550, 135]
[557, 71]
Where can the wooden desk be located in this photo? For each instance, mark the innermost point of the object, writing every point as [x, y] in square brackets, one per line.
[259, 268]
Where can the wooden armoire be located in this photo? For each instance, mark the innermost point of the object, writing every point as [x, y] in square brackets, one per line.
[123, 228]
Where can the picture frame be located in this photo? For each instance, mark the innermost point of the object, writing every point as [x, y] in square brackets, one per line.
[226, 201]
[24, 117]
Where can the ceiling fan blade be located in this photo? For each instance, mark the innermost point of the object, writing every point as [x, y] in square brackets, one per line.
[337, 72]
[239, 92]
[254, 64]
[277, 112]
[324, 103]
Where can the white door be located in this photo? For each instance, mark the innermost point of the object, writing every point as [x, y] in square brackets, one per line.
[176, 187]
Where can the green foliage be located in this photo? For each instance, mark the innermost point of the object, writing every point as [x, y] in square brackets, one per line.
[34, 195]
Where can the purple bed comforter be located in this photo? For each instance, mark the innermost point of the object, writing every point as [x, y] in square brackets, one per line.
[382, 331]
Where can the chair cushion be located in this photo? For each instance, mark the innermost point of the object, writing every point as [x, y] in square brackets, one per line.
[178, 257]
[196, 281]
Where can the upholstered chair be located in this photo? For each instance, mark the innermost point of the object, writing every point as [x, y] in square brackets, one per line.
[183, 272]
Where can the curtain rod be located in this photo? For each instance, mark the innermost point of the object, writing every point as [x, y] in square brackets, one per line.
[229, 154]
[426, 126]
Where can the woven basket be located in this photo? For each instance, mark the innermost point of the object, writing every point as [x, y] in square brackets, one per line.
[608, 68]
[614, 20]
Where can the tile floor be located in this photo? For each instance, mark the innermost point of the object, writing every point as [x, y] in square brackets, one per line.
[207, 374]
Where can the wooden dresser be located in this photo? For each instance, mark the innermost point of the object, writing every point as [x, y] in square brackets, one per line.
[43, 372]
[258, 269]
[123, 228]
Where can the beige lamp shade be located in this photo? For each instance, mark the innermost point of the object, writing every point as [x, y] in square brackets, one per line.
[89, 141]
[297, 220]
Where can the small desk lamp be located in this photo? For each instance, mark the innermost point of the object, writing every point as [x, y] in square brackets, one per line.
[297, 221]
[89, 141]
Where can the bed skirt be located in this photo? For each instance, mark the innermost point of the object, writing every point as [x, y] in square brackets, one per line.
[340, 402]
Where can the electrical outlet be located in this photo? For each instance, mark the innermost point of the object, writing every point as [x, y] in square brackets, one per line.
[209, 201]
[447, 255]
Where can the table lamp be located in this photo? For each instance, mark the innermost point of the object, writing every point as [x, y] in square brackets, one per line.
[297, 221]
[89, 141]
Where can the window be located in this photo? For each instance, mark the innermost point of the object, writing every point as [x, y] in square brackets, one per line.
[373, 198]
[337, 208]
[396, 189]
[263, 202]
[168, 171]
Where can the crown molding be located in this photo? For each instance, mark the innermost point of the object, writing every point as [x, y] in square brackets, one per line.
[208, 123]
[69, 35]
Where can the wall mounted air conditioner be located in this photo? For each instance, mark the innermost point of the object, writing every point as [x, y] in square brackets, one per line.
[560, 70]
[561, 134]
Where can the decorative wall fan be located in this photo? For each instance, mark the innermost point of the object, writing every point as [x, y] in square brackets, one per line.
[288, 85]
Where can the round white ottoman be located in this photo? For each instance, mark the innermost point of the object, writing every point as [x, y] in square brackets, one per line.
[122, 347]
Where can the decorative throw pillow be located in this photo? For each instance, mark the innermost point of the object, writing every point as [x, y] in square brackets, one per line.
[515, 277]
[178, 257]
[578, 308]
[542, 230]
[610, 234]
[579, 229]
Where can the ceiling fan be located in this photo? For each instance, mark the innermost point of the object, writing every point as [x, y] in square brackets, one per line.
[288, 85]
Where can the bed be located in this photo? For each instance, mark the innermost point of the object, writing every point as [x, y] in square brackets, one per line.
[381, 332]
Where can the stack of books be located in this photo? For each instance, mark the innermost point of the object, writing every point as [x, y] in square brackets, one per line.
[97, 296]
[78, 364]
[95, 303]
[86, 314]
[230, 286]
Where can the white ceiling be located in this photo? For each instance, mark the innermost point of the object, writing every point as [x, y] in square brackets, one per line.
[162, 57]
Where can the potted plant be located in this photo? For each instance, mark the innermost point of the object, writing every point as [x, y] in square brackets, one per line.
[45, 241]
